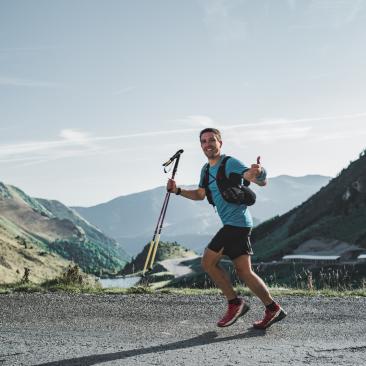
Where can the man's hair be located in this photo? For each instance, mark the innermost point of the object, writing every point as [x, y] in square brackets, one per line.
[213, 130]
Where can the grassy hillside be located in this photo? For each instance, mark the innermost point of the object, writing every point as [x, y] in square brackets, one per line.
[26, 221]
[18, 251]
[336, 212]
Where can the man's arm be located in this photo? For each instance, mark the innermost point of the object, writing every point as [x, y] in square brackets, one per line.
[192, 194]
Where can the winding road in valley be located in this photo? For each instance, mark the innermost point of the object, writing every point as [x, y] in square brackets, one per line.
[176, 267]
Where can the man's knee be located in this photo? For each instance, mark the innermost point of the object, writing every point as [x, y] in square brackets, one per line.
[243, 271]
[208, 264]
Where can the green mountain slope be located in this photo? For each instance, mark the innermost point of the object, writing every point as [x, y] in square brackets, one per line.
[29, 222]
[91, 232]
[336, 213]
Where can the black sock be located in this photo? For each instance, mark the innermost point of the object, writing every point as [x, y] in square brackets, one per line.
[235, 301]
[272, 306]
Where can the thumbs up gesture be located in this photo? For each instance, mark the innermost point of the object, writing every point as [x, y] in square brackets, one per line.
[254, 171]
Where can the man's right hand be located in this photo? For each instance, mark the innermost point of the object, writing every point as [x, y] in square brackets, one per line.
[171, 186]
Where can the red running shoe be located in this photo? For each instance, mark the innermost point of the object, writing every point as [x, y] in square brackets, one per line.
[270, 317]
[233, 313]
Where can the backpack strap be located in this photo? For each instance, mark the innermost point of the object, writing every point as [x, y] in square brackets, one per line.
[220, 177]
[206, 179]
[221, 173]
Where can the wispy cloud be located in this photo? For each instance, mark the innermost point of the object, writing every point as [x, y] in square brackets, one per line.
[123, 90]
[292, 4]
[11, 81]
[342, 136]
[74, 136]
[268, 135]
[59, 154]
[338, 12]
[73, 143]
[28, 49]
[329, 13]
[221, 18]
[354, 11]
[277, 122]
[69, 139]
[76, 143]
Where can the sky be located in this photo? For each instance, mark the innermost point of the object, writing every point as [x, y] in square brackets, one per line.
[96, 95]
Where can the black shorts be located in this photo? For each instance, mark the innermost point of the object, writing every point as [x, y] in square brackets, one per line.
[235, 241]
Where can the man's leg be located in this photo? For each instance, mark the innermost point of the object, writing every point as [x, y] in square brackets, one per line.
[274, 312]
[210, 263]
[236, 306]
[243, 268]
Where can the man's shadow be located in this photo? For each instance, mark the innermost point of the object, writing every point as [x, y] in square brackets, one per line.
[200, 340]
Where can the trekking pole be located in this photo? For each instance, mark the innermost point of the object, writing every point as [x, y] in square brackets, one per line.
[156, 237]
[163, 217]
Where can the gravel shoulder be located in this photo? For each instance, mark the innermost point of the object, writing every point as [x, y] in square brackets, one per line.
[162, 329]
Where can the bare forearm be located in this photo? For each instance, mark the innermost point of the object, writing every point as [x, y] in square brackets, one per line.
[193, 194]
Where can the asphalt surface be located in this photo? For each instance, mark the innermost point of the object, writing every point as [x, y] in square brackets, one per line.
[64, 329]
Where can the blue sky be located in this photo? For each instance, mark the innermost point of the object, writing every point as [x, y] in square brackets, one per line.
[95, 95]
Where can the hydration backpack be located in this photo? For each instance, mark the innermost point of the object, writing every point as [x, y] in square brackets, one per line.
[233, 189]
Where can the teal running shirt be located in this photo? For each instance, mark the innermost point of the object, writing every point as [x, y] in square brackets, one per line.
[230, 213]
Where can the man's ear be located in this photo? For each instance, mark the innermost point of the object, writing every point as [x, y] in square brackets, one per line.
[220, 143]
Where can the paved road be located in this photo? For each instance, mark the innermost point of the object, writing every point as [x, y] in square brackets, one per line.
[62, 329]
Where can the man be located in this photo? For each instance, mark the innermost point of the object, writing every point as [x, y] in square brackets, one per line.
[233, 240]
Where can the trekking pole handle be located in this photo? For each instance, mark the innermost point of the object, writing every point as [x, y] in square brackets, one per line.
[175, 156]
[175, 167]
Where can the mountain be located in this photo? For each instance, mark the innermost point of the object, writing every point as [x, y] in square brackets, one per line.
[39, 230]
[284, 193]
[63, 212]
[131, 219]
[332, 221]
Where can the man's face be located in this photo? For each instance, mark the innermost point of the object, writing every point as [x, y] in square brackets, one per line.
[210, 145]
